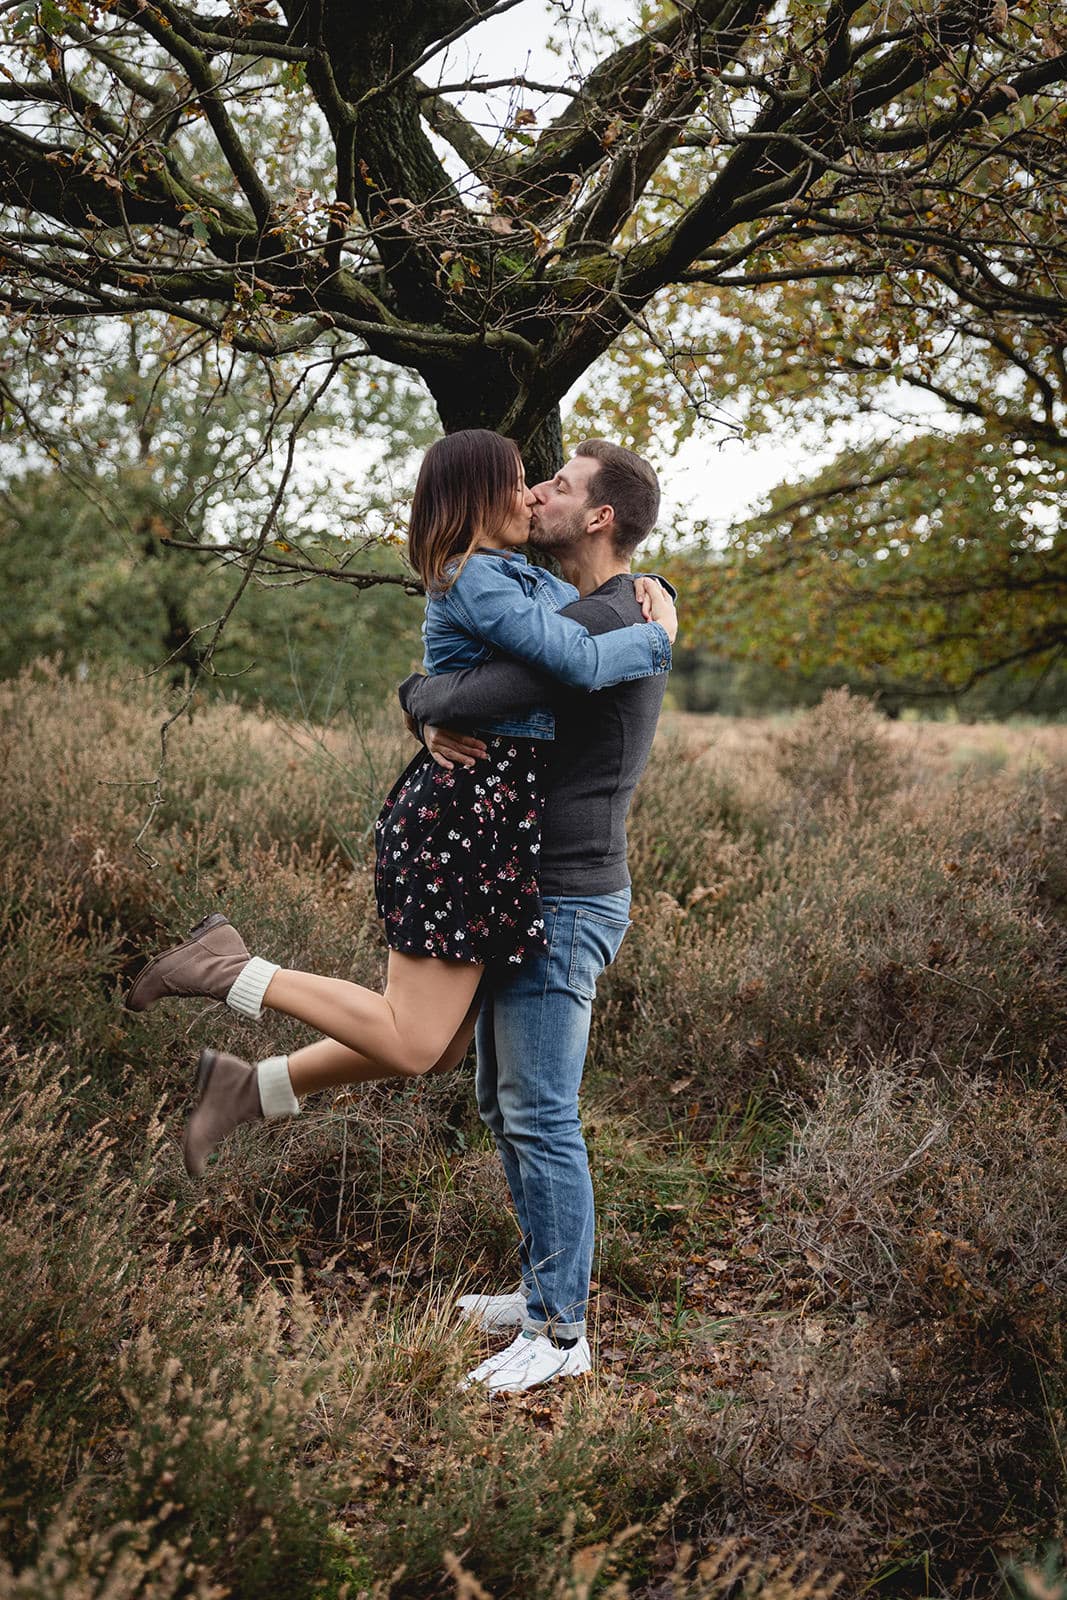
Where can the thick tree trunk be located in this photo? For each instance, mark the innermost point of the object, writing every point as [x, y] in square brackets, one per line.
[542, 455]
[482, 402]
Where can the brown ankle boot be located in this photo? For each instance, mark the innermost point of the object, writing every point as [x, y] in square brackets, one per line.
[228, 1095]
[206, 963]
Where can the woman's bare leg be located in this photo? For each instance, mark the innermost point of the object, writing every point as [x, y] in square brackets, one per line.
[232, 1092]
[405, 1030]
[329, 1065]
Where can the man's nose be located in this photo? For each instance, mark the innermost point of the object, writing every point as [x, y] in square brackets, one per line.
[540, 492]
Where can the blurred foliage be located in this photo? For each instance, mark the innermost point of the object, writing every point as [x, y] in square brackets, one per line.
[928, 552]
[922, 568]
[147, 444]
[92, 597]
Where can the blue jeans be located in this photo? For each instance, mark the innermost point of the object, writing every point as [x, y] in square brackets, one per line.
[532, 1036]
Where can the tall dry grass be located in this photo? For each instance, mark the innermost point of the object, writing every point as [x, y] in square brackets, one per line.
[825, 1114]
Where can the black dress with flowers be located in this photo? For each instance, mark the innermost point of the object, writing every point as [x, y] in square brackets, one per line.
[456, 856]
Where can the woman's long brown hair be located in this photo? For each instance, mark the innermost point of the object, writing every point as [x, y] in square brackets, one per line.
[466, 489]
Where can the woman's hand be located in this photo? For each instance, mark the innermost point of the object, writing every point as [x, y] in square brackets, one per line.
[657, 605]
[450, 749]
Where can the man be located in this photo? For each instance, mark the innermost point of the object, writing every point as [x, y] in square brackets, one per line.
[533, 1028]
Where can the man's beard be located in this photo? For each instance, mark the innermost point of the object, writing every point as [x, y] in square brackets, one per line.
[560, 537]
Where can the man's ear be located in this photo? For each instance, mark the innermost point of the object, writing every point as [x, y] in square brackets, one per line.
[601, 519]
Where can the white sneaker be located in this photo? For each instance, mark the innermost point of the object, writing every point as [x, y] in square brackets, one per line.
[494, 1311]
[529, 1360]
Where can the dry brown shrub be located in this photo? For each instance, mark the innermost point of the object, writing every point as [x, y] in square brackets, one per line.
[839, 758]
[150, 1382]
[233, 782]
[128, 1561]
[828, 1450]
[695, 831]
[930, 926]
[727, 1572]
[929, 1199]
[925, 927]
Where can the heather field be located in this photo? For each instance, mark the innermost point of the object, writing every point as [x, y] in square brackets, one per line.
[825, 1110]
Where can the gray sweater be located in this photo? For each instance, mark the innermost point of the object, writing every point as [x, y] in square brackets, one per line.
[600, 750]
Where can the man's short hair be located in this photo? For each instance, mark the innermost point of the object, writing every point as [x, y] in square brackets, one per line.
[626, 482]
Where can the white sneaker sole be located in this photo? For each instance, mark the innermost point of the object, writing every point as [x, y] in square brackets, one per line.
[523, 1366]
[567, 1368]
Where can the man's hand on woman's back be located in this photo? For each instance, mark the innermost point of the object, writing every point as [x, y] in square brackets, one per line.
[451, 749]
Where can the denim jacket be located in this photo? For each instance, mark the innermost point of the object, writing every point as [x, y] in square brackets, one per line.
[500, 603]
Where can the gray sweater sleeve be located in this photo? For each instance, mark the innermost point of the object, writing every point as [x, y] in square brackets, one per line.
[496, 688]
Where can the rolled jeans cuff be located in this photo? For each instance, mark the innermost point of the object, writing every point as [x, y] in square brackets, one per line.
[554, 1330]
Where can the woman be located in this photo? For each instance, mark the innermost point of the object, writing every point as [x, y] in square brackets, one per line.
[456, 867]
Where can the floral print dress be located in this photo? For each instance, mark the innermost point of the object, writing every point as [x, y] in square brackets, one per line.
[456, 868]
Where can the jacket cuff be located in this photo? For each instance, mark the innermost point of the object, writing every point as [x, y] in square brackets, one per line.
[661, 647]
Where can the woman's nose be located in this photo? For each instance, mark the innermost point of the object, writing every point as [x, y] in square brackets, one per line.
[530, 499]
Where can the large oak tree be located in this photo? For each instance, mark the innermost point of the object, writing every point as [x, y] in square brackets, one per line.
[141, 170]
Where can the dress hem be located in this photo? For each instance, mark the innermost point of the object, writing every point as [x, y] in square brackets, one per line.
[492, 960]
[434, 955]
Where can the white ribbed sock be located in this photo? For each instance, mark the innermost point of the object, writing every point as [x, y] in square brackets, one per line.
[248, 988]
[275, 1087]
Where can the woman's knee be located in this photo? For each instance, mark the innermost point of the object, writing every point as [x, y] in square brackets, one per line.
[417, 1063]
[423, 1055]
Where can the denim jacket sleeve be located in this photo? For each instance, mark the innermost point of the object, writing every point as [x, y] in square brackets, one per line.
[493, 604]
